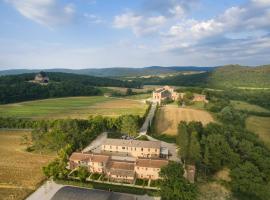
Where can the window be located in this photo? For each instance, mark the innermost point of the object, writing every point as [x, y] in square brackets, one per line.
[110, 147]
[148, 149]
[155, 150]
[135, 148]
[123, 148]
[141, 149]
[146, 168]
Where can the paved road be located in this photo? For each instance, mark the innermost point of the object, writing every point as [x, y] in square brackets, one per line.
[95, 145]
[45, 192]
[148, 119]
[173, 151]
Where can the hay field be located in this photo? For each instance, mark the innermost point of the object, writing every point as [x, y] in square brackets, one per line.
[168, 118]
[20, 171]
[260, 126]
[73, 107]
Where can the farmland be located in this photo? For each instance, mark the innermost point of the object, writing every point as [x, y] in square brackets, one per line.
[20, 171]
[73, 107]
[168, 118]
[260, 126]
[241, 105]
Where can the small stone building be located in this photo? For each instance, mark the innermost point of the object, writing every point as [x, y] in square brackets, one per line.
[41, 77]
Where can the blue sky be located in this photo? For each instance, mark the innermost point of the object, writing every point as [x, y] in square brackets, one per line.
[133, 33]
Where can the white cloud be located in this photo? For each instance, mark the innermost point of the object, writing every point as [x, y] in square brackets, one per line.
[45, 12]
[139, 24]
[248, 20]
[93, 18]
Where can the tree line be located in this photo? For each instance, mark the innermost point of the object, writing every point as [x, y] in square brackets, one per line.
[16, 88]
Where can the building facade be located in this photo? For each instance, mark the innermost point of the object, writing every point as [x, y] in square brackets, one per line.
[146, 160]
[168, 93]
[134, 148]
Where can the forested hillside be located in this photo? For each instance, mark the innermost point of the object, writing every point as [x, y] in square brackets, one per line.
[239, 76]
[221, 77]
[18, 88]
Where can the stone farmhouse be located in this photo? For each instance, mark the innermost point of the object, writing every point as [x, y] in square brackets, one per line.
[41, 78]
[123, 160]
[167, 92]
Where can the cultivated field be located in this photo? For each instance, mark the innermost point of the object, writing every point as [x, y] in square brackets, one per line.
[241, 105]
[168, 118]
[20, 171]
[260, 126]
[73, 107]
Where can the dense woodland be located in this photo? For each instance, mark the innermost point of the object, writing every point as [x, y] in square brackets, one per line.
[231, 76]
[228, 144]
[18, 88]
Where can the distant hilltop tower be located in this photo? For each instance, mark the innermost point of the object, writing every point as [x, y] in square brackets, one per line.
[42, 77]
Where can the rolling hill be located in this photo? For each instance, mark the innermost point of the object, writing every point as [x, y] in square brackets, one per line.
[114, 71]
[230, 76]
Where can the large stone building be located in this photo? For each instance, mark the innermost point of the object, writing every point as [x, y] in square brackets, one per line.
[123, 160]
[134, 148]
[168, 93]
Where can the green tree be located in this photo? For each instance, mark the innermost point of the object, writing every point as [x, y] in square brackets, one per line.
[173, 186]
[130, 125]
[83, 173]
[188, 143]
[248, 182]
[129, 92]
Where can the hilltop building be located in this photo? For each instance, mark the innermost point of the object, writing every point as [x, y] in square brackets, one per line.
[123, 160]
[41, 78]
[168, 93]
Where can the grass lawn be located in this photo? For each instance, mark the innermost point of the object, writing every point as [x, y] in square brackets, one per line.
[20, 171]
[73, 107]
[260, 126]
[197, 105]
[241, 105]
[139, 96]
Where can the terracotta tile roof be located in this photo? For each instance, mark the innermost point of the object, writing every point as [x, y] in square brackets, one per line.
[120, 172]
[78, 156]
[121, 168]
[151, 163]
[124, 165]
[100, 158]
[133, 143]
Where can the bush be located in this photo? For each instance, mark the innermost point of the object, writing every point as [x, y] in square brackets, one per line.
[95, 176]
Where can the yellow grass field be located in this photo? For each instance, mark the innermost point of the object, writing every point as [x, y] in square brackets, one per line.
[260, 126]
[168, 118]
[20, 171]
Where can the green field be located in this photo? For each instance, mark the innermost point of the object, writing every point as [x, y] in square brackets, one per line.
[73, 107]
[260, 126]
[241, 105]
[139, 96]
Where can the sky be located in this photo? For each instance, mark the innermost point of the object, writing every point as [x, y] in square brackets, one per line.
[133, 33]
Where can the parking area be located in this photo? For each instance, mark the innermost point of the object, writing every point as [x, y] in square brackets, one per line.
[52, 191]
